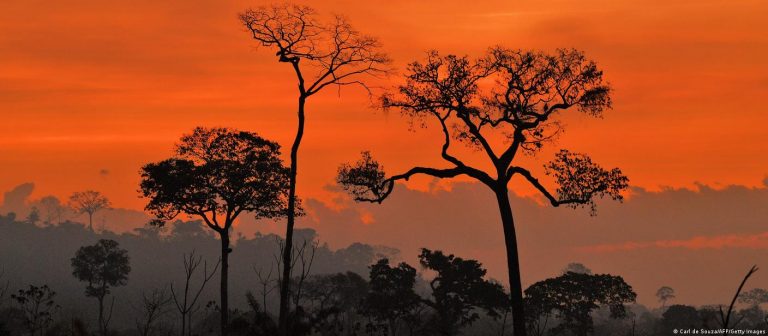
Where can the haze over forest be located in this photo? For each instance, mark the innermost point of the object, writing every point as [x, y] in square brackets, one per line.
[673, 237]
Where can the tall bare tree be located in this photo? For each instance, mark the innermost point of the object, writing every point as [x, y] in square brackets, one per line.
[321, 55]
[502, 105]
[88, 202]
[217, 175]
[725, 316]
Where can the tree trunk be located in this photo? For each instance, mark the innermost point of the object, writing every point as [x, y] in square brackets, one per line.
[102, 330]
[224, 281]
[513, 262]
[288, 248]
[90, 221]
[183, 324]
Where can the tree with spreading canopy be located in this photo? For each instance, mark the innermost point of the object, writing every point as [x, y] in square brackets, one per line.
[218, 174]
[573, 297]
[321, 55]
[664, 294]
[37, 307]
[504, 105]
[103, 265]
[458, 290]
[88, 202]
[332, 302]
[391, 299]
[754, 297]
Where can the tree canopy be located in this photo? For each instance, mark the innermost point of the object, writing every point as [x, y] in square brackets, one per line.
[217, 174]
[502, 104]
[573, 296]
[458, 289]
[102, 265]
[88, 202]
[391, 298]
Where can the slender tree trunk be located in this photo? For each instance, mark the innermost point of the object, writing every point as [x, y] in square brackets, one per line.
[225, 250]
[513, 262]
[90, 221]
[288, 248]
[183, 324]
[102, 330]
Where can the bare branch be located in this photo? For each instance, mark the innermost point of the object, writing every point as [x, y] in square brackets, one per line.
[185, 303]
[338, 52]
[726, 318]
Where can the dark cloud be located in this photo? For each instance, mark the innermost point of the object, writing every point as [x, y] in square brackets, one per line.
[15, 199]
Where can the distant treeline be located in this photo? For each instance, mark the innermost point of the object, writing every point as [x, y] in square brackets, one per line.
[357, 290]
[41, 255]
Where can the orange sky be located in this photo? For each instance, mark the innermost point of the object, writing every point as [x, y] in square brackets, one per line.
[91, 90]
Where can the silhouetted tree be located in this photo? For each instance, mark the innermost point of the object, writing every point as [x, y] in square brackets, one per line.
[186, 301]
[504, 104]
[263, 324]
[321, 55]
[53, 209]
[573, 297]
[217, 175]
[34, 216]
[103, 265]
[88, 202]
[391, 299]
[458, 290]
[679, 317]
[665, 294]
[153, 306]
[727, 315]
[754, 297]
[332, 302]
[37, 307]
[267, 284]
[304, 255]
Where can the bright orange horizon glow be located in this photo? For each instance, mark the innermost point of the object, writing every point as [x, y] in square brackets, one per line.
[91, 90]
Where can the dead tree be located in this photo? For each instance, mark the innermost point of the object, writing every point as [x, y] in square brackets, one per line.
[152, 307]
[304, 256]
[266, 285]
[321, 55]
[725, 317]
[186, 301]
